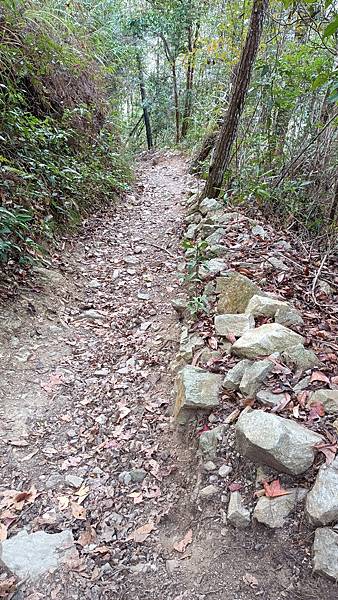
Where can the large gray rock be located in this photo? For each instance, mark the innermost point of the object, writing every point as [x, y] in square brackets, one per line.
[233, 377]
[282, 312]
[32, 555]
[263, 306]
[235, 291]
[272, 512]
[254, 376]
[212, 267]
[265, 340]
[322, 501]
[328, 398]
[197, 389]
[236, 325]
[277, 442]
[301, 357]
[325, 553]
[210, 205]
[288, 316]
[238, 515]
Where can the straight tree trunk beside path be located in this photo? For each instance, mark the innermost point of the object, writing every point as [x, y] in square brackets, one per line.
[229, 128]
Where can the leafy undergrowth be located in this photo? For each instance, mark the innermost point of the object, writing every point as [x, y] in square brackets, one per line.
[60, 149]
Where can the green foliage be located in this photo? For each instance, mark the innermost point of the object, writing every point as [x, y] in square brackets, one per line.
[60, 142]
[198, 305]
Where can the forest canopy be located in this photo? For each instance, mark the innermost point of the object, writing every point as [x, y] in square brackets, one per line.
[249, 87]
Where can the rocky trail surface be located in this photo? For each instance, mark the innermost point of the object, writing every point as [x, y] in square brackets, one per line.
[105, 494]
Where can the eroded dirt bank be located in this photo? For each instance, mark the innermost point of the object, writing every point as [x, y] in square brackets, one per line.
[85, 428]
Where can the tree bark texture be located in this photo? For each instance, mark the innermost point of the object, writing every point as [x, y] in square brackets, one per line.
[144, 105]
[229, 128]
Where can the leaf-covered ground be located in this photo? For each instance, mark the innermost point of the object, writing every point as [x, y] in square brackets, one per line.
[86, 438]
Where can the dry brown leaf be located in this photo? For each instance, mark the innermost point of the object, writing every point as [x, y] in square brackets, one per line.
[20, 498]
[63, 502]
[54, 380]
[137, 497]
[274, 489]
[78, 512]
[329, 451]
[87, 537]
[181, 546]
[7, 586]
[3, 532]
[319, 376]
[141, 533]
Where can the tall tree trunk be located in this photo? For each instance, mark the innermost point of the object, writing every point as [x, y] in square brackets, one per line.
[192, 43]
[176, 101]
[230, 126]
[144, 105]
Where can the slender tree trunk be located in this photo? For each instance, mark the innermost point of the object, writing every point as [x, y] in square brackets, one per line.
[176, 101]
[230, 126]
[334, 205]
[192, 43]
[144, 105]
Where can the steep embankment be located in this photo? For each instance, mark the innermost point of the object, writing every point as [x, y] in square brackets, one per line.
[60, 151]
[89, 451]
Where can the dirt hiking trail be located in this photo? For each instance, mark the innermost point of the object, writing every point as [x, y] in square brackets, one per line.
[86, 436]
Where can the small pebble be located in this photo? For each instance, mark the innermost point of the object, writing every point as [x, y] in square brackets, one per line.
[224, 471]
[209, 466]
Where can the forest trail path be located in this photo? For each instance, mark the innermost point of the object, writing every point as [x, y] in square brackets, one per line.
[86, 387]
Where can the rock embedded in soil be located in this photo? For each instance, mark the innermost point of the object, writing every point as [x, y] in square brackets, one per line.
[279, 443]
[212, 267]
[197, 389]
[254, 376]
[325, 553]
[137, 475]
[322, 501]
[216, 237]
[288, 316]
[189, 343]
[265, 340]
[263, 306]
[233, 324]
[238, 515]
[210, 205]
[235, 291]
[277, 264]
[208, 491]
[234, 377]
[32, 555]
[272, 512]
[328, 398]
[224, 471]
[208, 441]
[300, 357]
[191, 231]
[269, 398]
[209, 466]
[74, 481]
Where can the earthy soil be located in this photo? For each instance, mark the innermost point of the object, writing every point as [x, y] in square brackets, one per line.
[87, 389]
